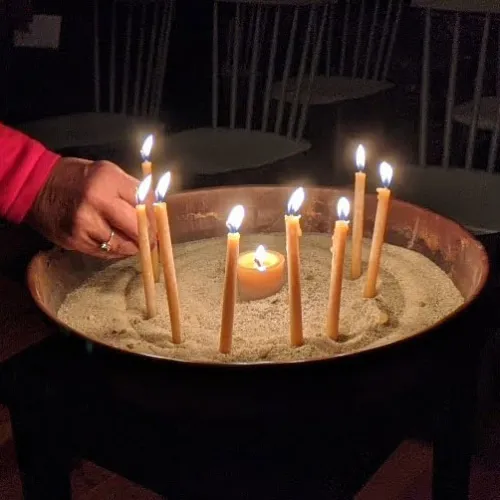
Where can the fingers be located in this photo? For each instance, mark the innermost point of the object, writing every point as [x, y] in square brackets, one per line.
[122, 216]
[93, 230]
[119, 245]
[127, 187]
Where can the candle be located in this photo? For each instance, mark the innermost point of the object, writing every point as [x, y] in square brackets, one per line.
[359, 210]
[145, 248]
[147, 169]
[260, 273]
[339, 240]
[384, 196]
[167, 257]
[293, 233]
[147, 166]
[229, 295]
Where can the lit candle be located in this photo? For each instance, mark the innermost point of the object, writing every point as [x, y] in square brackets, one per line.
[260, 273]
[293, 233]
[384, 196]
[147, 166]
[359, 211]
[229, 295]
[167, 257]
[145, 248]
[147, 169]
[339, 240]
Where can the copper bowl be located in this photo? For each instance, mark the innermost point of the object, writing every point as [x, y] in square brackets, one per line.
[201, 214]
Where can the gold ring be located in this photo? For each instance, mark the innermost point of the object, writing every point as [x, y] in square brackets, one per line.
[106, 246]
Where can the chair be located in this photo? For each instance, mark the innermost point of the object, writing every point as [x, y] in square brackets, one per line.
[461, 184]
[357, 52]
[129, 57]
[249, 130]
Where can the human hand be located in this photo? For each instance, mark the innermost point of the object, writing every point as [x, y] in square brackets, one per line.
[81, 204]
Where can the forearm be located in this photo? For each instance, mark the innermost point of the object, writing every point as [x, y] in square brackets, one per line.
[25, 166]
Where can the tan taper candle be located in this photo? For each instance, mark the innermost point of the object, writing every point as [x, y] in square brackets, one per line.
[293, 234]
[167, 258]
[339, 240]
[145, 248]
[231, 279]
[384, 197]
[147, 169]
[359, 214]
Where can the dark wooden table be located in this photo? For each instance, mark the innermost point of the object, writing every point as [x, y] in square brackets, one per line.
[68, 400]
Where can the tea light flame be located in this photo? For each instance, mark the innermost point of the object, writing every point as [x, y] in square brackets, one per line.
[360, 158]
[143, 190]
[235, 218]
[343, 208]
[385, 173]
[147, 146]
[260, 256]
[162, 187]
[295, 201]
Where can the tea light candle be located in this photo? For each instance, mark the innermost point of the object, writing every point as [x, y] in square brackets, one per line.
[293, 233]
[384, 196]
[145, 248]
[339, 240]
[359, 210]
[167, 256]
[230, 281]
[260, 273]
[147, 169]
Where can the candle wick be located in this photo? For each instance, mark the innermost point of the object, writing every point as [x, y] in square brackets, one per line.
[260, 265]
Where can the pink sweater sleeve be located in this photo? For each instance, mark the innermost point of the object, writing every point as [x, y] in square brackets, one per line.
[25, 166]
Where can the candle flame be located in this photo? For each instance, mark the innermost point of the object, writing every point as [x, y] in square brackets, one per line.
[385, 173]
[343, 208]
[143, 190]
[295, 201]
[162, 187]
[235, 218]
[360, 158]
[260, 256]
[147, 146]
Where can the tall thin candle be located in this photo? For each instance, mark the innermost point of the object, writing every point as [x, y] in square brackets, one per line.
[339, 240]
[293, 234]
[384, 197]
[359, 211]
[230, 281]
[147, 169]
[167, 256]
[145, 248]
[147, 165]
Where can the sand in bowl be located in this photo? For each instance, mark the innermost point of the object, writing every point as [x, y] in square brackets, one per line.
[414, 294]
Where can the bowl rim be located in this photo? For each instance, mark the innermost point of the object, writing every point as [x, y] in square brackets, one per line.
[365, 351]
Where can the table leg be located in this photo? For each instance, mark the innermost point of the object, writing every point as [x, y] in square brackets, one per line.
[40, 417]
[42, 452]
[453, 438]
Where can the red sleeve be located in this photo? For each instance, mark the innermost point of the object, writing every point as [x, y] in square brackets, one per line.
[25, 166]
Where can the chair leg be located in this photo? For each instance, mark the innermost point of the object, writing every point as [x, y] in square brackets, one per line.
[335, 139]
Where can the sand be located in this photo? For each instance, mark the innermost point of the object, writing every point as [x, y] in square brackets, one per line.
[413, 295]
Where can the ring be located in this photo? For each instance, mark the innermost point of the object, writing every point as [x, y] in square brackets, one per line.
[106, 246]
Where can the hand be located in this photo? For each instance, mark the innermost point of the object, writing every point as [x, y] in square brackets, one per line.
[83, 202]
